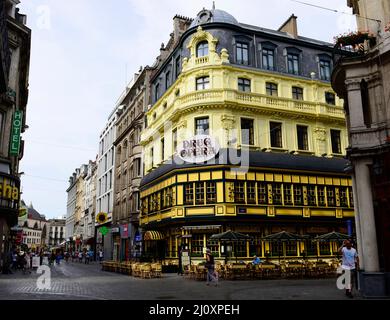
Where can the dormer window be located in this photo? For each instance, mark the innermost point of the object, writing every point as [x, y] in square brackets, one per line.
[294, 57]
[293, 63]
[242, 51]
[202, 49]
[325, 70]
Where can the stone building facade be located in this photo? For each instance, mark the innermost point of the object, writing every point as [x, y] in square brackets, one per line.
[88, 218]
[363, 81]
[75, 209]
[105, 185]
[35, 230]
[56, 232]
[129, 164]
[15, 43]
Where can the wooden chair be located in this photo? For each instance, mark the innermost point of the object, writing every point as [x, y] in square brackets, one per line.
[193, 271]
[146, 271]
[219, 268]
[111, 266]
[157, 270]
[200, 273]
[268, 270]
[136, 272]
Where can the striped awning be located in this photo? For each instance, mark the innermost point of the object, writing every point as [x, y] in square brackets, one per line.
[153, 236]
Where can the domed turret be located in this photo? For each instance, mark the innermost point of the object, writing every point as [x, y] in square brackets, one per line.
[213, 16]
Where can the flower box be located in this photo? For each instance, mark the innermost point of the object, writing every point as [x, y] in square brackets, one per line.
[354, 38]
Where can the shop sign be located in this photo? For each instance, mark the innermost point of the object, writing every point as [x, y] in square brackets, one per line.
[15, 133]
[125, 231]
[9, 193]
[102, 218]
[138, 237]
[115, 230]
[104, 230]
[8, 189]
[198, 149]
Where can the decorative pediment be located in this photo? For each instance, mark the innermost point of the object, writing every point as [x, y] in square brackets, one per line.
[211, 59]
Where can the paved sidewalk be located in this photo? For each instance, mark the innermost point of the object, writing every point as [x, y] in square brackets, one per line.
[80, 281]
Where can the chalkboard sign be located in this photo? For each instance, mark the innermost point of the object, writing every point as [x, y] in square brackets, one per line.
[185, 258]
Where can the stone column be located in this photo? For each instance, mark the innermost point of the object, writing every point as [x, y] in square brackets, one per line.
[357, 223]
[2, 250]
[365, 216]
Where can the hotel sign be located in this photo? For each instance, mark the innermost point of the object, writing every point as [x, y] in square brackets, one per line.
[198, 149]
[15, 133]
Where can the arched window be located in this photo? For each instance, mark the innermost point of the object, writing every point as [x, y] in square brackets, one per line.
[202, 49]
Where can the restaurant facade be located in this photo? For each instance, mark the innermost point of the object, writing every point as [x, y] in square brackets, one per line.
[244, 134]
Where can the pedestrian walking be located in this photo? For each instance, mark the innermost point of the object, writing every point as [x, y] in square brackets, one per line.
[100, 256]
[210, 266]
[350, 263]
[14, 260]
[80, 257]
[86, 257]
[52, 258]
[27, 263]
[58, 258]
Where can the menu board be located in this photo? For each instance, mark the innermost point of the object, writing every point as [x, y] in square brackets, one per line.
[185, 259]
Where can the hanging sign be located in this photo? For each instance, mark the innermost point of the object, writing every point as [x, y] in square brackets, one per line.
[15, 133]
[104, 230]
[102, 218]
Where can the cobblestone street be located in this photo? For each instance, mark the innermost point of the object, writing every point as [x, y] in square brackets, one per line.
[88, 282]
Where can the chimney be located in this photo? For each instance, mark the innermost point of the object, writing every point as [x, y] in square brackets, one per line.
[180, 25]
[290, 26]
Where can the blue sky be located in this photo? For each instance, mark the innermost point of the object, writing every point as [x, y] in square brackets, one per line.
[84, 52]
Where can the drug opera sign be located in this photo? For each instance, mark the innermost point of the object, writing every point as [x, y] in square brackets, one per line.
[198, 149]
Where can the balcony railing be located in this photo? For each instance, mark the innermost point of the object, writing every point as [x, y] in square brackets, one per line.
[254, 100]
[202, 60]
[258, 101]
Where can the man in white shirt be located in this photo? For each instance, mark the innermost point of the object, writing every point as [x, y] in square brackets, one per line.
[350, 263]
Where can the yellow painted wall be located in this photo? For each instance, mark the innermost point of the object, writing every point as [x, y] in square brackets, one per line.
[225, 106]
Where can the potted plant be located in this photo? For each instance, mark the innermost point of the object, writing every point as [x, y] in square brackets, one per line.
[354, 38]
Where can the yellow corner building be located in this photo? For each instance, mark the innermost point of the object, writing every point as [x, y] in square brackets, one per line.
[280, 134]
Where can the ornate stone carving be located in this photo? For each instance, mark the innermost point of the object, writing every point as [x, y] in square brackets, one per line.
[320, 134]
[228, 122]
